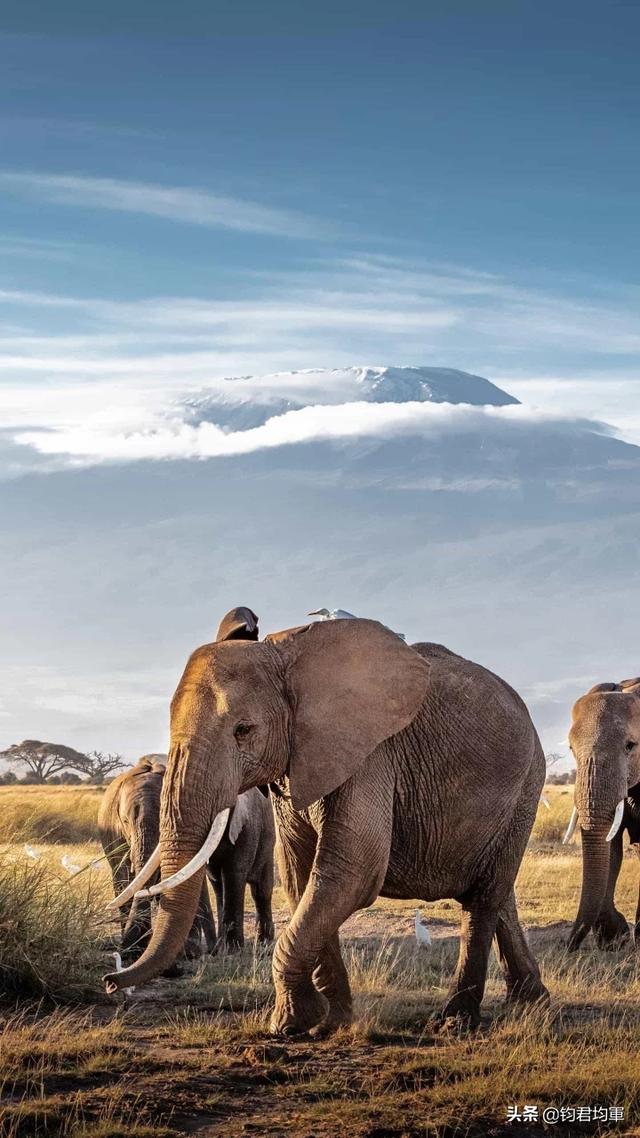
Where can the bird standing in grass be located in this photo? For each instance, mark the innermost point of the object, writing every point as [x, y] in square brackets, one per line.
[69, 865]
[30, 852]
[423, 936]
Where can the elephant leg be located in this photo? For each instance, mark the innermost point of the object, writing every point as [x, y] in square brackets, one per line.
[479, 920]
[261, 891]
[295, 852]
[347, 873]
[121, 876]
[636, 931]
[611, 929]
[234, 886]
[520, 969]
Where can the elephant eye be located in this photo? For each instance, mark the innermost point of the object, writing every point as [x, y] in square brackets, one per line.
[629, 745]
[242, 731]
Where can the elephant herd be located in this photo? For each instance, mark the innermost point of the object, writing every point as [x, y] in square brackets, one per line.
[388, 769]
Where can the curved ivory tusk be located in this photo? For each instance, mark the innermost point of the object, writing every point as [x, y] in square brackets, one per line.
[145, 873]
[573, 821]
[617, 820]
[197, 861]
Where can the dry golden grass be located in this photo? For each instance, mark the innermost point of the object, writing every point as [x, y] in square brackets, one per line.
[51, 813]
[195, 1055]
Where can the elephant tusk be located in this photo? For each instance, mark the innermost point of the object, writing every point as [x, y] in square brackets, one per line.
[145, 873]
[571, 827]
[197, 861]
[545, 801]
[617, 820]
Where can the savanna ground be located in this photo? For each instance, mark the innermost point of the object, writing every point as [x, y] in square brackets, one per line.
[194, 1056]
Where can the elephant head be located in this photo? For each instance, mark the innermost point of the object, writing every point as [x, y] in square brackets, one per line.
[605, 741]
[310, 704]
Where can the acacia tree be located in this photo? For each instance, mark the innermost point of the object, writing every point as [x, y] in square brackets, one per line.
[43, 760]
[98, 765]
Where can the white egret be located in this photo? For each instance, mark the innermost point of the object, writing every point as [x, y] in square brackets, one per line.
[423, 936]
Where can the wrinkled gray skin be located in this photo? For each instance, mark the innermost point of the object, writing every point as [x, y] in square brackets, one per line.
[605, 741]
[129, 828]
[406, 772]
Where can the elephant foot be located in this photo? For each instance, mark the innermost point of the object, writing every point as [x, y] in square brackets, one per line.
[611, 931]
[460, 1015]
[332, 1022]
[298, 1011]
[529, 990]
[578, 933]
[173, 972]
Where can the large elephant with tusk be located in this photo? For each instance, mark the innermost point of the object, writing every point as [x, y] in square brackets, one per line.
[239, 850]
[406, 771]
[605, 741]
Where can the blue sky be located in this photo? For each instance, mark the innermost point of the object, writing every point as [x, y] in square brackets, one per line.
[195, 191]
[500, 136]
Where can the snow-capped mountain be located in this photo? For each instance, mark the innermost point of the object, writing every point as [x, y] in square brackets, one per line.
[243, 402]
[424, 497]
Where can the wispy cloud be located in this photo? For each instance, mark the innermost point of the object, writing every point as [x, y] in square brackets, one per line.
[184, 204]
[98, 442]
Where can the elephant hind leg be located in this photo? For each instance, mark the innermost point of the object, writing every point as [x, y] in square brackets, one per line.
[520, 969]
[476, 933]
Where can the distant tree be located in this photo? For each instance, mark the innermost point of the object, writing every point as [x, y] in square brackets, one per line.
[101, 765]
[8, 778]
[70, 778]
[42, 760]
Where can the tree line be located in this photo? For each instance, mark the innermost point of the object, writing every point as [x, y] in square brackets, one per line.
[55, 763]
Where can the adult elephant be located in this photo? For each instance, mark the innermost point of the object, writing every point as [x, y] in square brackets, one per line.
[129, 826]
[409, 772]
[605, 741]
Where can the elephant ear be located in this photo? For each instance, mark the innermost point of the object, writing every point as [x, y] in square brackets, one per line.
[352, 684]
[239, 818]
[238, 624]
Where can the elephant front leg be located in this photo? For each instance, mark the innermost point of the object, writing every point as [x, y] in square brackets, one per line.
[611, 929]
[312, 988]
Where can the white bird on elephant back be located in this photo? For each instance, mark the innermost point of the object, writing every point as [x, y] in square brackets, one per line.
[342, 614]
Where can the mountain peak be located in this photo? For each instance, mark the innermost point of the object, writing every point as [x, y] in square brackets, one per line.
[429, 384]
[243, 402]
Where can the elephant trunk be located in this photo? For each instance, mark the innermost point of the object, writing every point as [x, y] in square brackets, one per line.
[185, 823]
[595, 875]
[597, 795]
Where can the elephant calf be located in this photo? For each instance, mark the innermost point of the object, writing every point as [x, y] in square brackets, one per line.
[245, 857]
[605, 741]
